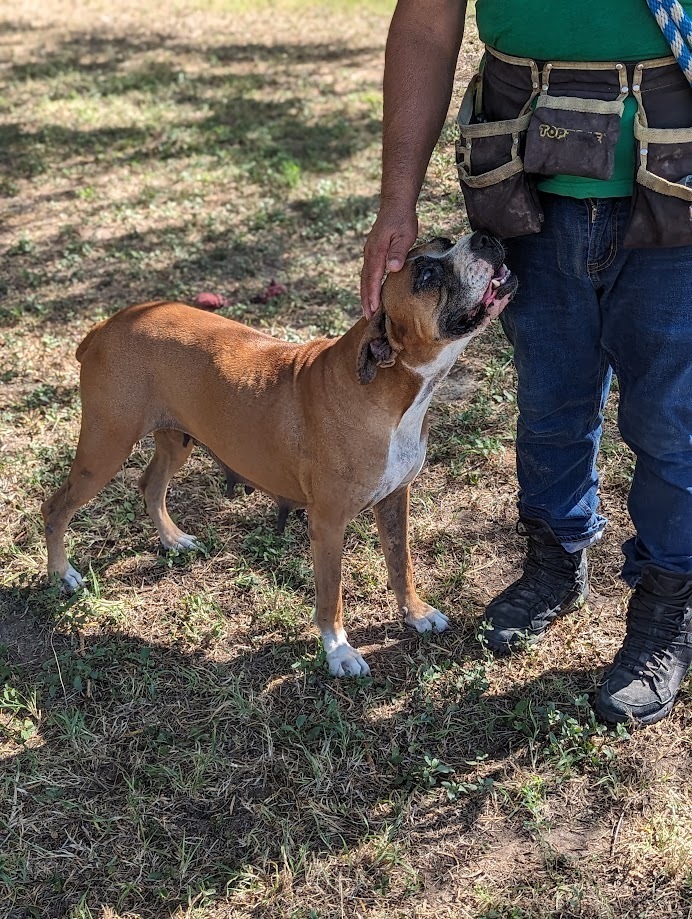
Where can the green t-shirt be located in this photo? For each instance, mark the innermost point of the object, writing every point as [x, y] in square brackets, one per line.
[593, 30]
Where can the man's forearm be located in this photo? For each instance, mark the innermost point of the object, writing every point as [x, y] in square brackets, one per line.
[420, 60]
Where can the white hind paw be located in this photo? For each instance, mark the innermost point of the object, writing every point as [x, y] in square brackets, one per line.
[72, 579]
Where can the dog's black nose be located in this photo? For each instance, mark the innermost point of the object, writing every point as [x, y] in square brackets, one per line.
[480, 240]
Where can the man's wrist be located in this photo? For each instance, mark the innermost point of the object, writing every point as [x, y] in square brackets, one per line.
[404, 203]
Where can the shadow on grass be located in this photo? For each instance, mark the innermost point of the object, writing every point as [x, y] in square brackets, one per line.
[255, 122]
[223, 765]
[162, 774]
[179, 777]
[178, 262]
[276, 131]
[90, 53]
[263, 137]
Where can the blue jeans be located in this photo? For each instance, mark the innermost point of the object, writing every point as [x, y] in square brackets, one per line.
[587, 307]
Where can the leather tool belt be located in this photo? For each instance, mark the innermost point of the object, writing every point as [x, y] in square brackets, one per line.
[522, 120]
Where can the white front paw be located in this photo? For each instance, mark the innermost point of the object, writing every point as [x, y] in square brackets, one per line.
[346, 661]
[72, 579]
[432, 621]
[182, 542]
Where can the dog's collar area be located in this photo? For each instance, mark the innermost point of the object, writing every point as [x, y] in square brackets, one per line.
[396, 347]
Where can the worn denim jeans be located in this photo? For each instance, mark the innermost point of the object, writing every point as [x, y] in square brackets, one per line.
[587, 307]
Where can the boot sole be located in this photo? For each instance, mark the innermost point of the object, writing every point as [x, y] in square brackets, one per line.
[632, 721]
[629, 719]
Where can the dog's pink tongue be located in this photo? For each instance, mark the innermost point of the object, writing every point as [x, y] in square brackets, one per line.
[489, 295]
[492, 290]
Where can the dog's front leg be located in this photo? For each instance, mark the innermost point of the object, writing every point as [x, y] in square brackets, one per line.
[327, 544]
[391, 515]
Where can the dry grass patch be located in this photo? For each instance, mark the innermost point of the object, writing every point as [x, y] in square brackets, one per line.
[170, 742]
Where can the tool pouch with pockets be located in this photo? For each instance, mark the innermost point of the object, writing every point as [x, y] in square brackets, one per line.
[576, 120]
[499, 196]
[661, 214]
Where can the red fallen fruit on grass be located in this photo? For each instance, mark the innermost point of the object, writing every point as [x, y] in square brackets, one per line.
[210, 302]
[273, 290]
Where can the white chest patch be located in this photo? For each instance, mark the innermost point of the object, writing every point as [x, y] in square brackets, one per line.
[406, 451]
[407, 442]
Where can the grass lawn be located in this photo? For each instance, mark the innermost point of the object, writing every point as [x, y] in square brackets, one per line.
[171, 742]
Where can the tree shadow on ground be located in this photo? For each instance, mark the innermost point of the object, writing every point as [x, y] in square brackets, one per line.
[197, 766]
[177, 262]
[268, 133]
[241, 764]
[235, 119]
[165, 771]
[89, 52]
[261, 126]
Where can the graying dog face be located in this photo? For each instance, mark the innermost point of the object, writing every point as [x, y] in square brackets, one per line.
[470, 277]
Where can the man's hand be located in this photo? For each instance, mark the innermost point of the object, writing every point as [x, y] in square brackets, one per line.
[392, 235]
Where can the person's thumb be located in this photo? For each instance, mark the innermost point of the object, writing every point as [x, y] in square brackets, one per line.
[396, 257]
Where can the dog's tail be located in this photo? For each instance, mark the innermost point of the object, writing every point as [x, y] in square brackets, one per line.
[84, 344]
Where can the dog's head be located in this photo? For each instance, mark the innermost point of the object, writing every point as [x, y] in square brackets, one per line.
[444, 293]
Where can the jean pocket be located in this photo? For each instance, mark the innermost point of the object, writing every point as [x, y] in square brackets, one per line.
[573, 136]
[662, 200]
[499, 196]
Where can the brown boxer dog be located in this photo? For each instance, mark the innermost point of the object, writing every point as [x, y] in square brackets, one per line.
[335, 425]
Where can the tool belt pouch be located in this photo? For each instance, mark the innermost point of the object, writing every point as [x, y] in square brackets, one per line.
[661, 213]
[499, 196]
[572, 136]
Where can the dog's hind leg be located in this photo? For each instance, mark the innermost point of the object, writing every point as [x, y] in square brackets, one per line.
[172, 450]
[327, 543]
[391, 515]
[281, 518]
[101, 451]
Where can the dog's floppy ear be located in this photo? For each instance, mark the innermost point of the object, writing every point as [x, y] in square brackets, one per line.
[375, 350]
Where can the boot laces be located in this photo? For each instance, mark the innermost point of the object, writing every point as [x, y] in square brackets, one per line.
[649, 646]
[546, 571]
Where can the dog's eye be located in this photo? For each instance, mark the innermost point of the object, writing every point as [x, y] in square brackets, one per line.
[429, 274]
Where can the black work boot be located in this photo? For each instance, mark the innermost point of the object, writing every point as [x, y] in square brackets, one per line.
[645, 677]
[554, 582]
